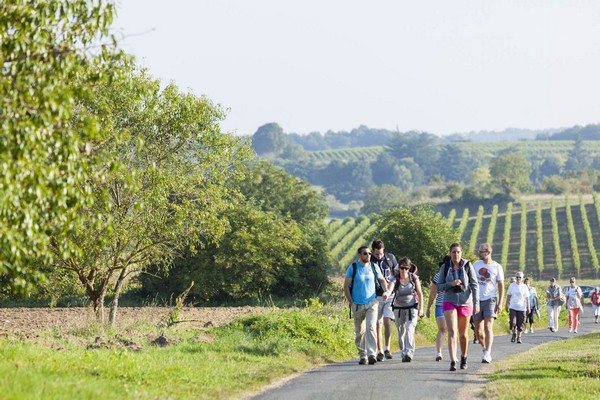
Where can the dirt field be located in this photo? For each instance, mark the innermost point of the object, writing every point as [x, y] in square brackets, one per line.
[27, 323]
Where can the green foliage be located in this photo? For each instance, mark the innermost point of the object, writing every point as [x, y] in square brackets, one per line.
[540, 239]
[463, 222]
[492, 226]
[556, 239]
[382, 198]
[418, 233]
[588, 233]
[523, 237]
[451, 217]
[52, 52]
[275, 243]
[171, 179]
[572, 236]
[510, 173]
[364, 239]
[475, 230]
[506, 235]
[269, 138]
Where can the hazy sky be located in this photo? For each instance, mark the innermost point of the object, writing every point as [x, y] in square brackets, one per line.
[440, 66]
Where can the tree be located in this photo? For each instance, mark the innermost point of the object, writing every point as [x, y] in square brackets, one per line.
[269, 138]
[382, 198]
[510, 174]
[51, 52]
[422, 147]
[168, 187]
[275, 244]
[419, 233]
[579, 158]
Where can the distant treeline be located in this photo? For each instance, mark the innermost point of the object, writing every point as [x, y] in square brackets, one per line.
[365, 136]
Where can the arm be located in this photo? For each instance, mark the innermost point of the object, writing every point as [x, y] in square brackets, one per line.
[500, 296]
[442, 286]
[384, 284]
[432, 295]
[419, 296]
[474, 285]
[347, 282]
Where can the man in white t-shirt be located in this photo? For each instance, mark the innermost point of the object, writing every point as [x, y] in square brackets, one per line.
[490, 276]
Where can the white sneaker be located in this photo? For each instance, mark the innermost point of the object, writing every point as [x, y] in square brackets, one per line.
[570, 330]
[530, 330]
[487, 358]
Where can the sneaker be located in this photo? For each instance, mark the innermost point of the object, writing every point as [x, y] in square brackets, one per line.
[551, 329]
[407, 359]
[463, 362]
[362, 361]
[514, 337]
[487, 359]
[379, 357]
[387, 354]
[372, 360]
[574, 331]
[525, 331]
[475, 341]
[570, 330]
[530, 330]
[438, 357]
[519, 340]
[453, 366]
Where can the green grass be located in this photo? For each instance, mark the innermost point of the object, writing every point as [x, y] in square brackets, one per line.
[225, 362]
[568, 369]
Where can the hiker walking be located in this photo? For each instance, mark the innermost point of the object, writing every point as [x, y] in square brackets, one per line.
[439, 312]
[555, 301]
[574, 304]
[517, 304]
[533, 306]
[387, 263]
[461, 298]
[359, 289]
[596, 304]
[490, 277]
[408, 307]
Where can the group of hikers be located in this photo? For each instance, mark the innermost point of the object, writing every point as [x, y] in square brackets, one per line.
[382, 290]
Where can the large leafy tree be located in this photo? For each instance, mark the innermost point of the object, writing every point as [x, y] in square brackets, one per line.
[165, 191]
[510, 174]
[275, 243]
[418, 233]
[50, 52]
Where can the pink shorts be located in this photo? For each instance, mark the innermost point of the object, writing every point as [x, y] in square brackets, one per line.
[461, 311]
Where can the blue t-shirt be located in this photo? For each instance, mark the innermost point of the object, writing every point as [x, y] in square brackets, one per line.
[363, 287]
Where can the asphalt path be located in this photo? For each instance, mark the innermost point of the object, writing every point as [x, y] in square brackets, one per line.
[423, 378]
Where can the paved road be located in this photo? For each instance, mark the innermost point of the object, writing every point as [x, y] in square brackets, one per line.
[423, 378]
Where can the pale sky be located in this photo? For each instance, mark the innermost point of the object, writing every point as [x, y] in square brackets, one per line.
[440, 66]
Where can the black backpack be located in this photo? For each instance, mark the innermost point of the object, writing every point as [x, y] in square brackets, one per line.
[389, 261]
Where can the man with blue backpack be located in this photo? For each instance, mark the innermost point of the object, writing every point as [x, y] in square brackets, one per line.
[359, 289]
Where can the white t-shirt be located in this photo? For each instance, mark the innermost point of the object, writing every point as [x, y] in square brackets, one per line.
[488, 276]
[519, 296]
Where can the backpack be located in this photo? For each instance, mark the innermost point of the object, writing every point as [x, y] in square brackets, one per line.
[389, 261]
[411, 279]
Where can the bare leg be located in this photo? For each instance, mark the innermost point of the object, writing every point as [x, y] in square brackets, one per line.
[463, 332]
[439, 340]
[488, 327]
[452, 325]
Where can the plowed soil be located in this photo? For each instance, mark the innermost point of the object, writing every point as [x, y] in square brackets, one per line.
[28, 323]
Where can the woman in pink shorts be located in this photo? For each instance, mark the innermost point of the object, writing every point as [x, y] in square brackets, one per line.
[461, 300]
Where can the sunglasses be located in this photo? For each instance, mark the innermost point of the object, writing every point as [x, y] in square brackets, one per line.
[405, 268]
[365, 254]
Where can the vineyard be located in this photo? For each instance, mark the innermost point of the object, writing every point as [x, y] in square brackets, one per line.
[544, 239]
[529, 149]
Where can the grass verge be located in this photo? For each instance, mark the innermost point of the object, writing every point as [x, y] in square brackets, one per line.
[558, 370]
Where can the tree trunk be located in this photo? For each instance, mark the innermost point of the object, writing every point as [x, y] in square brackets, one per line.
[112, 317]
[97, 300]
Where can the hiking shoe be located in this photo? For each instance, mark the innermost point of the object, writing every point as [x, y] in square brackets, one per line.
[438, 357]
[453, 366]
[379, 356]
[407, 359]
[551, 329]
[514, 337]
[387, 354]
[519, 340]
[362, 361]
[372, 360]
[463, 362]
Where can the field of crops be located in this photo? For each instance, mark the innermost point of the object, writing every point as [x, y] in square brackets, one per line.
[552, 238]
[529, 149]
